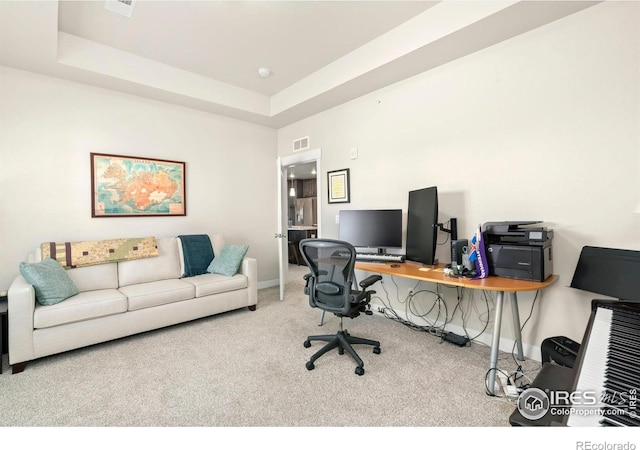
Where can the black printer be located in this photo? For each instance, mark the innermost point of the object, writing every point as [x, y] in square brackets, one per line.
[520, 250]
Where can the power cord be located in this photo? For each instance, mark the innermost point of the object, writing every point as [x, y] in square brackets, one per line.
[390, 313]
[486, 322]
[533, 304]
[442, 312]
[486, 380]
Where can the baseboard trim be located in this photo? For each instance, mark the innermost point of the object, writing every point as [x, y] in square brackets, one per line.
[268, 283]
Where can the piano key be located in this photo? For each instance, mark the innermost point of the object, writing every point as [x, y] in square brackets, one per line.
[611, 367]
[591, 376]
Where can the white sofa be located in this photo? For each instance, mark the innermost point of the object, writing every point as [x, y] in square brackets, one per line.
[120, 299]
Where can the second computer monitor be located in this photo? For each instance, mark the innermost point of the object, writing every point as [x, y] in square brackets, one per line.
[371, 228]
[422, 225]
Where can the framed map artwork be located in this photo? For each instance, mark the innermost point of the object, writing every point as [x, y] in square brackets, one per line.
[129, 186]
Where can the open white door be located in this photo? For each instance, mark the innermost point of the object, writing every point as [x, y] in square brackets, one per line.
[281, 234]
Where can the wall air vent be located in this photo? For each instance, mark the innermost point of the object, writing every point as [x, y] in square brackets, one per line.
[301, 144]
[122, 7]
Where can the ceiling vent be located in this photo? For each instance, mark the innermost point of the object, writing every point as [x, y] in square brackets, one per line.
[301, 144]
[122, 7]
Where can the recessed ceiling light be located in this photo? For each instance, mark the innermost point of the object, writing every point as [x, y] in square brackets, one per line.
[264, 72]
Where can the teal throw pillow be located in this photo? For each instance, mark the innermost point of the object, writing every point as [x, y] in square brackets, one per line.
[228, 261]
[50, 281]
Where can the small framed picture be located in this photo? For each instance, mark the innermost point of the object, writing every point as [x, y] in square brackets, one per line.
[338, 181]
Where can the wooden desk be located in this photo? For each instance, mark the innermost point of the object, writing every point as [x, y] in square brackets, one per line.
[435, 274]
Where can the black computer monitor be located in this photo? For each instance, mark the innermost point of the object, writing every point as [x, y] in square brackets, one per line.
[372, 228]
[422, 225]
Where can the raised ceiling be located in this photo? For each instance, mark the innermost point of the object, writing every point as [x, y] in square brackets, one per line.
[206, 54]
[230, 41]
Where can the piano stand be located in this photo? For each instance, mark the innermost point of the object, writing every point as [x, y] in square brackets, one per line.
[550, 378]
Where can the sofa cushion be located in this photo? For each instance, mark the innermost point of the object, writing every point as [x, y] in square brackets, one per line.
[85, 305]
[49, 280]
[163, 267]
[146, 295]
[212, 283]
[228, 261]
[93, 278]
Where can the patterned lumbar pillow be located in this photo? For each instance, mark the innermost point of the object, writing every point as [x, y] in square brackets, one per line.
[228, 261]
[50, 281]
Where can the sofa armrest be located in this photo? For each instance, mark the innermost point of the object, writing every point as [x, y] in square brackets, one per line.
[249, 268]
[22, 303]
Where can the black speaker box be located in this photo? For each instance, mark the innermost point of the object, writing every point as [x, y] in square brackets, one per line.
[457, 250]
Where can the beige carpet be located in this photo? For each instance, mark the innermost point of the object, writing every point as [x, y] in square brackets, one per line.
[247, 369]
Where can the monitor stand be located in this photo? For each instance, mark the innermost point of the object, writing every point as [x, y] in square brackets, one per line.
[417, 263]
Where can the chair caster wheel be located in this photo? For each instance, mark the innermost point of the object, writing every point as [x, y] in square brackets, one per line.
[359, 371]
[341, 351]
[376, 350]
[310, 365]
[307, 344]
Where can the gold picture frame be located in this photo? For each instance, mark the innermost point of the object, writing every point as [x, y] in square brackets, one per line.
[339, 189]
[131, 186]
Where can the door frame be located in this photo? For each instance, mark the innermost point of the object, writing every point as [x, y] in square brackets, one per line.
[313, 155]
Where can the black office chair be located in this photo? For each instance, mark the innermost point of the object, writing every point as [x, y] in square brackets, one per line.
[329, 287]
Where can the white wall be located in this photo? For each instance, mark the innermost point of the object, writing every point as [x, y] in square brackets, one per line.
[49, 127]
[544, 126]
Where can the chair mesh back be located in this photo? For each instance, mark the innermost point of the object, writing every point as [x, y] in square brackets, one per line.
[331, 263]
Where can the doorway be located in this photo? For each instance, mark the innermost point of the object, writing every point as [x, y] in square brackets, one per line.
[302, 210]
[299, 206]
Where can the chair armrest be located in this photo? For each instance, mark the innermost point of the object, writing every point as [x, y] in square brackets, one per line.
[308, 278]
[370, 280]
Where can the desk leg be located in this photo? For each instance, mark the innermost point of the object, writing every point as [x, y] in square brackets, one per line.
[495, 343]
[516, 324]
